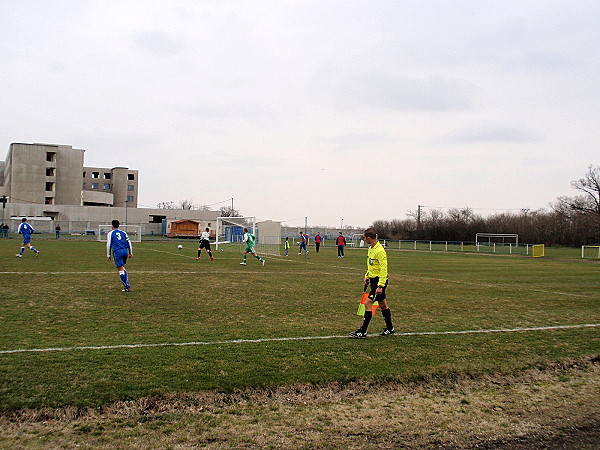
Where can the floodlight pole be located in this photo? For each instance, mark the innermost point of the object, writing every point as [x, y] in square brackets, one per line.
[305, 224]
[126, 202]
[342, 225]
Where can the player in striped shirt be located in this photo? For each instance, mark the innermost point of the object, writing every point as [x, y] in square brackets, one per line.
[118, 241]
[26, 230]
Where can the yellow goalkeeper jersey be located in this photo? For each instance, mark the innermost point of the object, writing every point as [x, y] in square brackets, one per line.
[377, 265]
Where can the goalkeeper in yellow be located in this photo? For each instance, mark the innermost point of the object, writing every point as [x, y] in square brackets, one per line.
[376, 279]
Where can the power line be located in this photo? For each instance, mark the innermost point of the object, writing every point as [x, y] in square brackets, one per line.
[479, 209]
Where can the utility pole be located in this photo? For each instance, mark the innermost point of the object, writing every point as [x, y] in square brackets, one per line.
[305, 225]
[126, 202]
[418, 221]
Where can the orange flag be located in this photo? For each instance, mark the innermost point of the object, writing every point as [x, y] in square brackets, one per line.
[361, 306]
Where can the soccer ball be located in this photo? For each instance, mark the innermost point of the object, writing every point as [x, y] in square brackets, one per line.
[180, 246]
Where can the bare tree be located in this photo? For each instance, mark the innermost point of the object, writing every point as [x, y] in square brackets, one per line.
[228, 211]
[588, 203]
[187, 204]
[166, 205]
[589, 185]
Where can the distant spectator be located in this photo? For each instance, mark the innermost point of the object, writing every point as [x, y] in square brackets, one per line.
[57, 230]
[341, 243]
[318, 240]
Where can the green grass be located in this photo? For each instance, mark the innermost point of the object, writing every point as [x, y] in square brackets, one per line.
[71, 297]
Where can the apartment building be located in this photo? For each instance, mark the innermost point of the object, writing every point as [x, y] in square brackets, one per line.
[49, 184]
[55, 175]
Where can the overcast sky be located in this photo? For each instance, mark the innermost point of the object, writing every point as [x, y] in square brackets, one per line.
[332, 110]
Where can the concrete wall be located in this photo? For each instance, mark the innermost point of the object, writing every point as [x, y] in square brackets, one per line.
[28, 172]
[69, 162]
[43, 173]
[119, 184]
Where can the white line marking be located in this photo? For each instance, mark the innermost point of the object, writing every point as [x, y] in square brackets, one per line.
[300, 338]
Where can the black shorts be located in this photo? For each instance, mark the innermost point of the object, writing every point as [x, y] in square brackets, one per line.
[204, 244]
[377, 297]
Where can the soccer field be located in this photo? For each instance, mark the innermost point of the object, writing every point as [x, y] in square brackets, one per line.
[69, 336]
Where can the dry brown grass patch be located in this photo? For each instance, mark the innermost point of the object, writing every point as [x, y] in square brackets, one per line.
[557, 402]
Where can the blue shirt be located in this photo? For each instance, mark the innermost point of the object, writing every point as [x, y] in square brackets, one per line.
[25, 229]
[117, 240]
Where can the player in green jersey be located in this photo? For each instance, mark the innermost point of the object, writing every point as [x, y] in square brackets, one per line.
[249, 239]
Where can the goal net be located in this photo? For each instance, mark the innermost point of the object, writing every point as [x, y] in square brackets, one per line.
[590, 251]
[134, 232]
[496, 238]
[538, 250]
[230, 234]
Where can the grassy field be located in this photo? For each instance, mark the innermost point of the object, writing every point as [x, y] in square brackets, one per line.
[254, 327]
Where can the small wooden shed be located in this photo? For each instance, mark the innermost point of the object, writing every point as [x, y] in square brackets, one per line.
[184, 228]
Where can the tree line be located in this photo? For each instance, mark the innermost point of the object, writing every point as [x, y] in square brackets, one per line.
[570, 221]
[225, 211]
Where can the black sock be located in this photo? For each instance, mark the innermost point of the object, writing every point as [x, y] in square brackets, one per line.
[387, 316]
[366, 320]
[209, 254]
[199, 251]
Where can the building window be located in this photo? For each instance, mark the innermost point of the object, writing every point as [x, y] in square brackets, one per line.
[106, 186]
[130, 187]
[84, 185]
[95, 174]
[130, 176]
[50, 156]
[95, 185]
[49, 171]
[84, 174]
[49, 201]
[130, 198]
[49, 186]
[107, 175]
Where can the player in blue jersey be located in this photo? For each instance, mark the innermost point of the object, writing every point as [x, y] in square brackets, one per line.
[303, 243]
[118, 241]
[26, 230]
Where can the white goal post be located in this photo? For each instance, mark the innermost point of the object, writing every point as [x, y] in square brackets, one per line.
[230, 232]
[590, 251]
[134, 232]
[496, 238]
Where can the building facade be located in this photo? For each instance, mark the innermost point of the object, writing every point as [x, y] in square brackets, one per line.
[55, 175]
[49, 184]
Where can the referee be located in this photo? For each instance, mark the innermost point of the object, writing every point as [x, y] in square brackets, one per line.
[205, 243]
[376, 278]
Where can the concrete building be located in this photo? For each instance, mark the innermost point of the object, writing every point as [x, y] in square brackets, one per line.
[49, 185]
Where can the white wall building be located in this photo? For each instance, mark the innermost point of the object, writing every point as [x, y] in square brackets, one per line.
[49, 185]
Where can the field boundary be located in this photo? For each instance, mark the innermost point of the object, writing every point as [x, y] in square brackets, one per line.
[299, 338]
